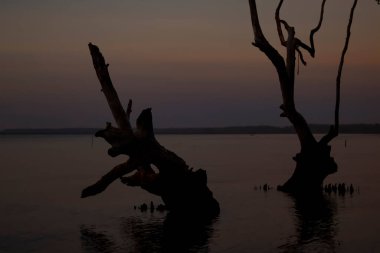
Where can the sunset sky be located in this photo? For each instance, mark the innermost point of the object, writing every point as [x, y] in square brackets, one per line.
[191, 61]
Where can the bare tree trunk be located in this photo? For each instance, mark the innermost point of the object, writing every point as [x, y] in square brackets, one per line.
[314, 162]
[181, 188]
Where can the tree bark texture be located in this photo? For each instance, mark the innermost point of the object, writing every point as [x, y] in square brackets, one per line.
[181, 188]
[314, 162]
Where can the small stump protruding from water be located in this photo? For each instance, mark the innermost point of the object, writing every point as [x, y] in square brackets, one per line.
[151, 207]
[340, 188]
[265, 187]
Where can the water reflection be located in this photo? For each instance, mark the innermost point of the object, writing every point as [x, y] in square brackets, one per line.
[151, 234]
[96, 241]
[315, 223]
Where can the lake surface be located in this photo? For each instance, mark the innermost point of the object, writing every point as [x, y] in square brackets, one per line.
[41, 178]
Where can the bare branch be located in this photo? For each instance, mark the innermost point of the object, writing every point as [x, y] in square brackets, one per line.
[287, 26]
[262, 43]
[108, 178]
[334, 130]
[258, 33]
[339, 76]
[109, 91]
[278, 22]
[291, 57]
[301, 56]
[300, 44]
[311, 48]
[316, 29]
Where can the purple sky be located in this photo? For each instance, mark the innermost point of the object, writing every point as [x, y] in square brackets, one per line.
[191, 61]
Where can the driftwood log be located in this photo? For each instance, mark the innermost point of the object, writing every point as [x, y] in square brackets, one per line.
[180, 188]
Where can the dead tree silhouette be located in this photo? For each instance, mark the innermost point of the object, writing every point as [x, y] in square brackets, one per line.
[181, 188]
[314, 162]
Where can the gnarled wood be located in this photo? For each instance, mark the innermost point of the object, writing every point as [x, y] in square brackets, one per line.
[181, 188]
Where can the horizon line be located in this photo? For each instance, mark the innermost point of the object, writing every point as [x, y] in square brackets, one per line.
[248, 129]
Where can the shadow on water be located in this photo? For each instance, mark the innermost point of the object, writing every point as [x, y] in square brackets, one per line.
[142, 234]
[316, 225]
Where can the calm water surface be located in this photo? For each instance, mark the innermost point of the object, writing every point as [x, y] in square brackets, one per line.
[41, 178]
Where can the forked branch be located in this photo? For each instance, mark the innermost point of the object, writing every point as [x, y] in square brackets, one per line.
[298, 43]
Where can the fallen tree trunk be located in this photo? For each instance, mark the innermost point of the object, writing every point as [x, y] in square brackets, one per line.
[181, 188]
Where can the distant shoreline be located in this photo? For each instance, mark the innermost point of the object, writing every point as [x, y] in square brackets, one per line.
[316, 128]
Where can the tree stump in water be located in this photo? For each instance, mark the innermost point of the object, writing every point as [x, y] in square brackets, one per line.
[313, 165]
